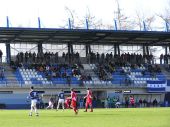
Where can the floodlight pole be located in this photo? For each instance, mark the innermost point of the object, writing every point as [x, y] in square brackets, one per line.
[115, 24]
[7, 22]
[116, 46]
[69, 23]
[167, 26]
[39, 45]
[70, 46]
[144, 26]
[39, 22]
[8, 50]
[87, 24]
[87, 45]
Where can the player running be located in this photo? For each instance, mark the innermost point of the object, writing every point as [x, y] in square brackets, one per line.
[68, 102]
[74, 101]
[33, 95]
[60, 100]
[88, 100]
[50, 103]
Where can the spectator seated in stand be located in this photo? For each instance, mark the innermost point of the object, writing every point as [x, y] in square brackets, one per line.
[48, 74]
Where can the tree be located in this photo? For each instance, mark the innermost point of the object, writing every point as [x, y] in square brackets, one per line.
[93, 22]
[123, 23]
[77, 23]
[71, 14]
[141, 19]
[165, 16]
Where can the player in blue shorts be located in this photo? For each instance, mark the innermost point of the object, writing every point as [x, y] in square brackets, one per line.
[60, 100]
[33, 95]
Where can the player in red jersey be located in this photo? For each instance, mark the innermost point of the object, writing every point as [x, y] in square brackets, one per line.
[74, 101]
[89, 97]
[68, 102]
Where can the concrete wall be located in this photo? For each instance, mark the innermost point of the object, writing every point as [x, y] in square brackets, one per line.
[17, 99]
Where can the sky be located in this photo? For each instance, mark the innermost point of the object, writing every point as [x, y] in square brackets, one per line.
[53, 13]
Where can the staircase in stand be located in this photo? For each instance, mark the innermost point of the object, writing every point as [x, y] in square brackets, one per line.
[165, 72]
[10, 76]
[89, 70]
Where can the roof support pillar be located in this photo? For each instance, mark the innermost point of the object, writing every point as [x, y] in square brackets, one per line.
[40, 49]
[147, 50]
[70, 51]
[8, 53]
[115, 49]
[144, 50]
[118, 49]
[69, 48]
[88, 49]
[166, 50]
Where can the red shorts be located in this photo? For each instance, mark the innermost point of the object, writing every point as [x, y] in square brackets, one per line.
[89, 102]
[67, 104]
[74, 104]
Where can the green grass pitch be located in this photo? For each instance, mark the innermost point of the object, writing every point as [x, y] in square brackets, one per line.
[131, 117]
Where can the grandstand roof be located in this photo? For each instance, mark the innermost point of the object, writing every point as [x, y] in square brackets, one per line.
[82, 36]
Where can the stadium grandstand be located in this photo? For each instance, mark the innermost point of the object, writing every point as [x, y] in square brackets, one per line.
[114, 63]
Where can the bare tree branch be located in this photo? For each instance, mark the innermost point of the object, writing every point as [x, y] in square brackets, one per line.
[122, 18]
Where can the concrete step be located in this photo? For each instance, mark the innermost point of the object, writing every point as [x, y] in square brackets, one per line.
[165, 72]
[9, 74]
[86, 67]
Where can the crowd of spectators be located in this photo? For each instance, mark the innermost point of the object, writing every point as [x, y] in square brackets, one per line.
[55, 71]
[140, 102]
[102, 74]
[164, 58]
[106, 63]
[46, 58]
[71, 58]
[129, 102]
[124, 58]
[39, 57]
[43, 62]
[50, 71]
[132, 58]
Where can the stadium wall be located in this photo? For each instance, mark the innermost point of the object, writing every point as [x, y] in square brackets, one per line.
[16, 98]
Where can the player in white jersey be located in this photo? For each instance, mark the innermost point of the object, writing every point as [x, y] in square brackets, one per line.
[50, 104]
[60, 100]
[33, 95]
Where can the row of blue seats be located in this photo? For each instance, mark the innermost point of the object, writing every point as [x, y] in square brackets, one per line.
[118, 82]
[3, 80]
[150, 76]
